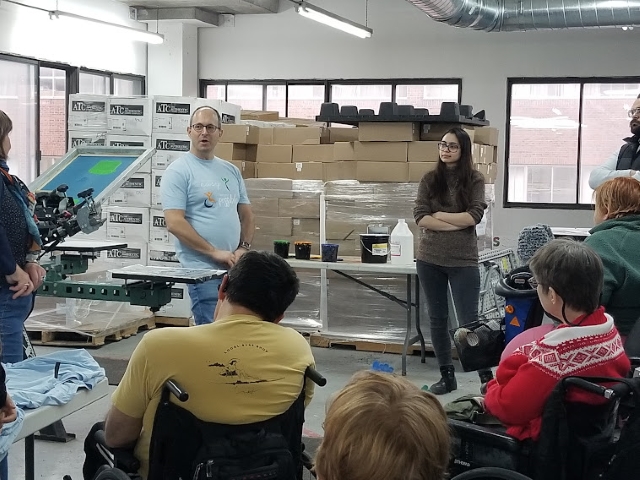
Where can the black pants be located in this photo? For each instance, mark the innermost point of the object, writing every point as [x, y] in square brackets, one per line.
[465, 289]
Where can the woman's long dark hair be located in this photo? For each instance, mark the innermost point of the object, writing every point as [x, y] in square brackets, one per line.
[5, 128]
[437, 179]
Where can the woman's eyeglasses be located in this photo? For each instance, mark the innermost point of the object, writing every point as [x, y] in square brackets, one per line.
[451, 147]
[198, 127]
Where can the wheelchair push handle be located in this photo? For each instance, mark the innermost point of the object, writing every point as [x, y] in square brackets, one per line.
[313, 375]
[618, 390]
[178, 392]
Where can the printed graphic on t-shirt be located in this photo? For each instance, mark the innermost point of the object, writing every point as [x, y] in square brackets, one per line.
[235, 371]
[209, 202]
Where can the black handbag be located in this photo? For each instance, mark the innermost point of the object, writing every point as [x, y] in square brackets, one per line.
[479, 344]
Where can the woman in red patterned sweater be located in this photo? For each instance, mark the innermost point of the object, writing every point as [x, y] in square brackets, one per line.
[568, 276]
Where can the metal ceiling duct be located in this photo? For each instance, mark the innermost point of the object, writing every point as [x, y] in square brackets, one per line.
[522, 15]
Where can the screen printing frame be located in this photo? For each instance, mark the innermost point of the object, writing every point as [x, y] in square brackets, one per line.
[143, 155]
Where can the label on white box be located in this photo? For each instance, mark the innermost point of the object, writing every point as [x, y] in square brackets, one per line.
[130, 223]
[117, 125]
[163, 255]
[158, 232]
[169, 148]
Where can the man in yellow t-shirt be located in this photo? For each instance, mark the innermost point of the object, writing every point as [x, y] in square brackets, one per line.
[243, 368]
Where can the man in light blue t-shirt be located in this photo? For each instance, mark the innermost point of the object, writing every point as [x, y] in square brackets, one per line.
[206, 208]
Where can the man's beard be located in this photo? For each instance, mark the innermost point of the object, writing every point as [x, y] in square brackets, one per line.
[635, 128]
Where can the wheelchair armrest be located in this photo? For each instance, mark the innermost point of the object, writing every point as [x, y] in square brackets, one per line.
[124, 458]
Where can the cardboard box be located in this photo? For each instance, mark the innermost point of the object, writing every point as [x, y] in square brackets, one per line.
[168, 147]
[162, 255]
[306, 229]
[486, 135]
[295, 171]
[343, 151]
[388, 132]
[235, 133]
[313, 153]
[129, 116]
[484, 154]
[344, 230]
[418, 169]
[129, 141]
[180, 305]
[269, 188]
[382, 172]
[269, 153]
[299, 207]
[488, 171]
[435, 131]
[87, 112]
[128, 223]
[267, 207]
[263, 115]
[274, 226]
[78, 138]
[134, 254]
[156, 180]
[134, 192]
[381, 151]
[172, 114]
[231, 151]
[296, 136]
[229, 112]
[260, 135]
[247, 169]
[339, 171]
[158, 232]
[423, 152]
[342, 134]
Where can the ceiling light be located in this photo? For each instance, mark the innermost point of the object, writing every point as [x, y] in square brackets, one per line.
[131, 33]
[331, 19]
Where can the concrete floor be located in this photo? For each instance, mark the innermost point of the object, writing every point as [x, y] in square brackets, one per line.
[54, 460]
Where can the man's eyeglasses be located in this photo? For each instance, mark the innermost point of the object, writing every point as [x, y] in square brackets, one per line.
[198, 127]
[452, 147]
[634, 113]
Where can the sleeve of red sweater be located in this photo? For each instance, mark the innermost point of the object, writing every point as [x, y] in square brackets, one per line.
[519, 392]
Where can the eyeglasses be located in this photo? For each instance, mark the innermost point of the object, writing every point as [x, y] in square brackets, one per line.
[633, 113]
[452, 147]
[198, 127]
[533, 283]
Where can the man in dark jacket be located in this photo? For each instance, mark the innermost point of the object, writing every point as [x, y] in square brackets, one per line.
[626, 162]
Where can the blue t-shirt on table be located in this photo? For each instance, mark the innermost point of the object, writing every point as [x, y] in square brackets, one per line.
[209, 192]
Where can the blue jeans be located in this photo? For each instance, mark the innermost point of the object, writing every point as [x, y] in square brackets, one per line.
[13, 313]
[204, 298]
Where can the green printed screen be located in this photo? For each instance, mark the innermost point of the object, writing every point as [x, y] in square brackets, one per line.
[89, 171]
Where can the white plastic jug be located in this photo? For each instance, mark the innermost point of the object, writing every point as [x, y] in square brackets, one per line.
[401, 242]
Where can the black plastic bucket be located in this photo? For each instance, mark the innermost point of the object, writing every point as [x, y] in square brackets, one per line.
[374, 247]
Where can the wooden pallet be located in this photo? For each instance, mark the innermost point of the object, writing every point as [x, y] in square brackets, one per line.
[172, 321]
[325, 341]
[86, 337]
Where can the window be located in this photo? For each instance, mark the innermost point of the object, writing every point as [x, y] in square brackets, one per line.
[277, 99]
[53, 115]
[559, 132]
[427, 96]
[94, 83]
[249, 97]
[305, 101]
[362, 96]
[127, 86]
[18, 99]
[217, 92]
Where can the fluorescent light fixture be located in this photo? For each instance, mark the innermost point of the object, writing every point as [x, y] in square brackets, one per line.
[331, 19]
[131, 33]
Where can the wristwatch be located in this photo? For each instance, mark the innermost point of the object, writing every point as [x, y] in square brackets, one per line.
[245, 245]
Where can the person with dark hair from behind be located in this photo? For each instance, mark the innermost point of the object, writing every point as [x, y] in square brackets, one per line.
[449, 205]
[243, 368]
[626, 161]
[383, 427]
[616, 239]
[568, 277]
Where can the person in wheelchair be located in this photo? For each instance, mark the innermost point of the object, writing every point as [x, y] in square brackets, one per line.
[383, 427]
[568, 277]
[241, 369]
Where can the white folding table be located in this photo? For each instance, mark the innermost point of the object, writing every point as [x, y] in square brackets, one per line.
[353, 266]
[38, 418]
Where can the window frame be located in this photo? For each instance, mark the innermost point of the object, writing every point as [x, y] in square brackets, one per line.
[328, 83]
[581, 81]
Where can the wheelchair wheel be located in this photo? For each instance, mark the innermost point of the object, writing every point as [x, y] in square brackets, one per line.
[112, 474]
[490, 473]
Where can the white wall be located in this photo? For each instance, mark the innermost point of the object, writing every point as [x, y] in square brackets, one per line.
[30, 33]
[406, 43]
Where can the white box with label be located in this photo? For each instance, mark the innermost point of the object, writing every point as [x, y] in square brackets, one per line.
[129, 115]
[132, 141]
[156, 181]
[162, 255]
[78, 138]
[158, 232]
[130, 224]
[169, 147]
[229, 112]
[88, 112]
[134, 192]
[135, 253]
[172, 114]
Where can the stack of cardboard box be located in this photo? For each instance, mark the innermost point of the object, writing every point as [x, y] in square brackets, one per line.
[485, 152]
